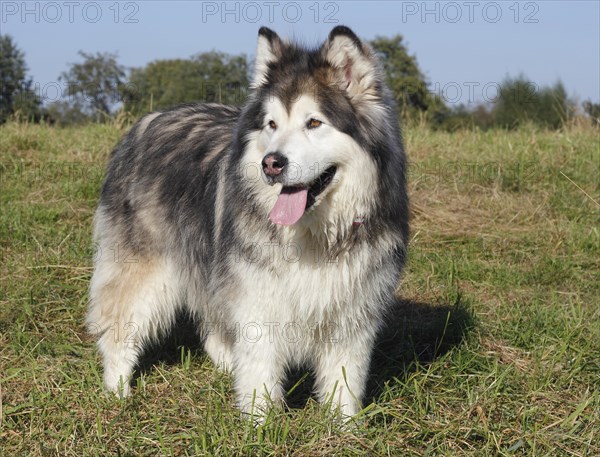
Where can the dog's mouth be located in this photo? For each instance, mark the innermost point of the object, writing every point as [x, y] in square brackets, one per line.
[293, 201]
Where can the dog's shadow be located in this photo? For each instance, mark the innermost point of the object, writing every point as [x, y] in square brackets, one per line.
[169, 349]
[414, 333]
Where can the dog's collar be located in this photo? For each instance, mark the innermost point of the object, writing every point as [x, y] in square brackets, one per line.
[358, 221]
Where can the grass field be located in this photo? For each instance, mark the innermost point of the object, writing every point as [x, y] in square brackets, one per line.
[494, 349]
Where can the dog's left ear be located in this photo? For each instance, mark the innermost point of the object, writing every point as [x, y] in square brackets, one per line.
[269, 49]
[354, 61]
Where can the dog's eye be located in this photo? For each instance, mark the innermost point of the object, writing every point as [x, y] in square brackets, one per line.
[313, 123]
[272, 125]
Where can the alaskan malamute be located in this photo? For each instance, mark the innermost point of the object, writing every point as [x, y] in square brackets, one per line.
[281, 226]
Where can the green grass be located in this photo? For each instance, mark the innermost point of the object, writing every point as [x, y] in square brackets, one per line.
[494, 348]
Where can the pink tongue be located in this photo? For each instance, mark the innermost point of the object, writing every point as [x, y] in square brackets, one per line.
[290, 205]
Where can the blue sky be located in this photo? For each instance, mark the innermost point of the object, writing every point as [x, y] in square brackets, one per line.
[465, 48]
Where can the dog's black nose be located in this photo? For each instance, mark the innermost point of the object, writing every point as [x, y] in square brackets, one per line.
[274, 163]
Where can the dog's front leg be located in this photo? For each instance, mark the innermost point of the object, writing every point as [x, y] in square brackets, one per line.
[342, 369]
[258, 373]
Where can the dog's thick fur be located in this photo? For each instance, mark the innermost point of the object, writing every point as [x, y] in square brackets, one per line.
[183, 222]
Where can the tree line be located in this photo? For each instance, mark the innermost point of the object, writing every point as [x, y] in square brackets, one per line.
[98, 88]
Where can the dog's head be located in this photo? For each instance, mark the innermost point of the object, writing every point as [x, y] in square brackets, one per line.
[317, 126]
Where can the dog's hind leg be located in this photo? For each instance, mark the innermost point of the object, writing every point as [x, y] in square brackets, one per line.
[132, 300]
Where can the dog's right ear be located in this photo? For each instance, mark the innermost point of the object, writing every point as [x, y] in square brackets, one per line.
[269, 49]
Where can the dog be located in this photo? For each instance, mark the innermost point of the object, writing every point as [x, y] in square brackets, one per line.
[281, 226]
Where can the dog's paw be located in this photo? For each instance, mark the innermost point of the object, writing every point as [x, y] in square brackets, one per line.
[117, 386]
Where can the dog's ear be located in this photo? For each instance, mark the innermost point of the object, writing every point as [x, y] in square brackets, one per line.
[269, 49]
[354, 62]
